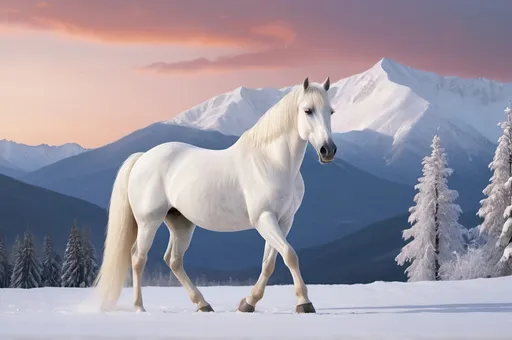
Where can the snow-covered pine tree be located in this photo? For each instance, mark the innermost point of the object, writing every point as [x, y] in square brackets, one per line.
[493, 208]
[436, 234]
[504, 245]
[15, 252]
[27, 267]
[4, 265]
[51, 268]
[90, 261]
[73, 265]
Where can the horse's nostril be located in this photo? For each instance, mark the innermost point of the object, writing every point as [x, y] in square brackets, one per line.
[323, 151]
[334, 150]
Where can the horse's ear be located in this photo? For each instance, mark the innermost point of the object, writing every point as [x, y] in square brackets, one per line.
[327, 84]
[306, 83]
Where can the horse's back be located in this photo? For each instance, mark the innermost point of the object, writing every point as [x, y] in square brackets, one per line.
[202, 184]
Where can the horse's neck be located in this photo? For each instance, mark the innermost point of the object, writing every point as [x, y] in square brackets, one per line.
[275, 138]
[287, 151]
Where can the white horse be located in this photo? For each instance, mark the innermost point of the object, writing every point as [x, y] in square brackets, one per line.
[255, 183]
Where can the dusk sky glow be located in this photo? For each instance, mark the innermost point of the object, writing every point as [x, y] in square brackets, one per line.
[92, 71]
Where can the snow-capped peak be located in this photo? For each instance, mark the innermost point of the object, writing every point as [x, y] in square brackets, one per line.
[230, 113]
[389, 98]
[32, 157]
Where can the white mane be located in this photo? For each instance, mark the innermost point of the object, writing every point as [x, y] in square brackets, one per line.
[282, 116]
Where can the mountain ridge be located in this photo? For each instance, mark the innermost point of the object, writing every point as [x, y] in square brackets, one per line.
[16, 158]
[404, 80]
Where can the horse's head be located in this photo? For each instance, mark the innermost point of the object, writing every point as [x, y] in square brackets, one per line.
[314, 119]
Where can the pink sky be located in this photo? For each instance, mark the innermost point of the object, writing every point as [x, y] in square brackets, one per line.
[93, 71]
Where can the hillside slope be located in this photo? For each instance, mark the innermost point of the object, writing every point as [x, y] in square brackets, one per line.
[339, 198]
[27, 207]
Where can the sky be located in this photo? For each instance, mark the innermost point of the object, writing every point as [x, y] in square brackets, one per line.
[92, 71]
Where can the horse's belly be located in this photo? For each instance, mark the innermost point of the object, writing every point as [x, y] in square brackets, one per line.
[215, 213]
[210, 198]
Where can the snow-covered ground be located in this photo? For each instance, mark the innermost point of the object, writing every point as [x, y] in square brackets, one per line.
[476, 309]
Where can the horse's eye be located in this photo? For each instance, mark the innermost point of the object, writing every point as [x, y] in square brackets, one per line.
[332, 112]
[308, 111]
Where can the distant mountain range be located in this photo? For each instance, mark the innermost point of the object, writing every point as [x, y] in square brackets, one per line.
[355, 208]
[18, 159]
[367, 255]
[339, 198]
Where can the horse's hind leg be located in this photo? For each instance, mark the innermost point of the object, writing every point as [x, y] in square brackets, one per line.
[181, 231]
[145, 236]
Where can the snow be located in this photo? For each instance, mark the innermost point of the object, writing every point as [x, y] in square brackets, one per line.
[436, 232]
[28, 158]
[389, 98]
[474, 309]
[231, 113]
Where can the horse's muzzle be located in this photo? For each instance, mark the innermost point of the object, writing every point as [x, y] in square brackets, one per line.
[327, 152]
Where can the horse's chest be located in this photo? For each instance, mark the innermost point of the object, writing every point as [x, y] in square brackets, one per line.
[277, 197]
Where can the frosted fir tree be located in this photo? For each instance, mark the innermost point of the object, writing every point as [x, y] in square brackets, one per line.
[91, 266]
[503, 246]
[493, 208]
[436, 234]
[16, 249]
[27, 268]
[4, 266]
[51, 266]
[73, 264]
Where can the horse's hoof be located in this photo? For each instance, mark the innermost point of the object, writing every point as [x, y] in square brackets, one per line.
[305, 308]
[140, 309]
[245, 307]
[206, 308]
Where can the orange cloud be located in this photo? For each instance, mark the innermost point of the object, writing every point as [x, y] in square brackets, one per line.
[149, 22]
[280, 30]
[42, 4]
[284, 33]
[164, 36]
[247, 61]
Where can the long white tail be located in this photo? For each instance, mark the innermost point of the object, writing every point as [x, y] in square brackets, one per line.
[120, 237]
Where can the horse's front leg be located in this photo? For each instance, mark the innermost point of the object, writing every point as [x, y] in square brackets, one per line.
[248, 304]
[273, 233]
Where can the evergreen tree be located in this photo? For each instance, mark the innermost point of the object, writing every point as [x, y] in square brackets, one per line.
[493, 208]
[504, 245]
[436, 234]
[27, 268]
[73, 265]
[15, 253]
[51, 268]
[90, 261]
[4, 266]
[16, 247]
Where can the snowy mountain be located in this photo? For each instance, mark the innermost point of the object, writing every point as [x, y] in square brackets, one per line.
[21, 158]
[389, 98]
[231, 113]
[385, 120]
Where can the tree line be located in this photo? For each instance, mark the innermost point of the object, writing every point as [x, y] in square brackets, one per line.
[439, 247]
[25, 267]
